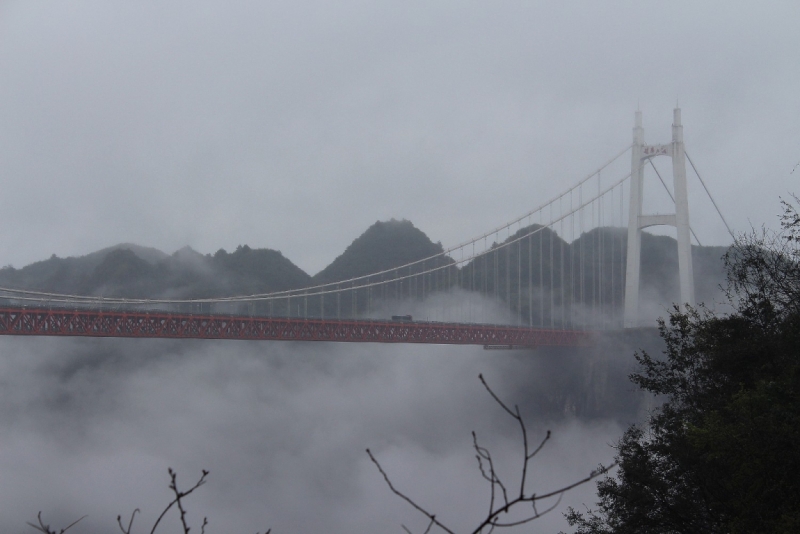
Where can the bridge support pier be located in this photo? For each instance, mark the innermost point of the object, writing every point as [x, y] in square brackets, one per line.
[640, 154]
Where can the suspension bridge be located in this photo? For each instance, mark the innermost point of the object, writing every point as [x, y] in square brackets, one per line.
[554, 276]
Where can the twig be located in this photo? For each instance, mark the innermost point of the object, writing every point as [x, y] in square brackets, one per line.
[178, 496]
[491, 519]
[487, 470]
[536, 514]
[546, 438]
[424, 512]
[494, 480]
[496, 398]
[603, 469]
[516, 415]
[130, 523]
[41, 527]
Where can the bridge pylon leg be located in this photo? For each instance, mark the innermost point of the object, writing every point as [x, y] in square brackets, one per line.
[633, 266]
[640, 154]
[685, 270]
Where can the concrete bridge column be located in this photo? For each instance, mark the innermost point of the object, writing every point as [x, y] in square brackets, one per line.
[640, 154]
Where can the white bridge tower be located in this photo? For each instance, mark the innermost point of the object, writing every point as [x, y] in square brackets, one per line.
[640, 154]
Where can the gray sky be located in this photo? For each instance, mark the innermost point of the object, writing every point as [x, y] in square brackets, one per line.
[296, 125]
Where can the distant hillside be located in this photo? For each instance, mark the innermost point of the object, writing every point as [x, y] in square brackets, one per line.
[588, 272]
[383, 246]
[134, 271]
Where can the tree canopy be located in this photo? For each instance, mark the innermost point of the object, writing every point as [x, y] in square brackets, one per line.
[721, 453]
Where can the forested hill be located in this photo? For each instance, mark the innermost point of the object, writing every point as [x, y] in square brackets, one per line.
[129, 270]
[383, 246]
[134, 271]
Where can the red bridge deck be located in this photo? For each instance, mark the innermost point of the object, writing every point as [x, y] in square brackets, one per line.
[89, 323]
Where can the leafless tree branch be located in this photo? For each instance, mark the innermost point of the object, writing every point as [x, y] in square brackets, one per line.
[41, 527]
[178, 496]
[130, 523]
[602, 470]
[484, 454]
[496, 398]
[534, 453]
[487, 470]
[424, 512]
[427, 530]
[178, 500]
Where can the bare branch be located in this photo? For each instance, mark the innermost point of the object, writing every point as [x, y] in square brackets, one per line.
[492, 519]
[487, 470]
[518, 417]
[178, 496]
[130, 523]
[536, 514]
[496, 398]
[41, 527]
[525, 456]
[494, 480]
[421, 510]
[174, 487]
[546, 438]
[594, 474]
[73, 524]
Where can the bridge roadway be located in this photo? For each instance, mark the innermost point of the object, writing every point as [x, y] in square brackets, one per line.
[24, 321]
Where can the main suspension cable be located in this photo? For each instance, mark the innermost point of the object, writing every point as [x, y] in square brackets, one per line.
[710, 197]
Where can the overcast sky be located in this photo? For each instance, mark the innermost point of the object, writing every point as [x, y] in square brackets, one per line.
[296, 125]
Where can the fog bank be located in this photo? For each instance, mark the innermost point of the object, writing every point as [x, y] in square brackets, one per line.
[89, 426]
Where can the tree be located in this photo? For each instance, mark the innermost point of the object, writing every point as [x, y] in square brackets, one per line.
[721, 453]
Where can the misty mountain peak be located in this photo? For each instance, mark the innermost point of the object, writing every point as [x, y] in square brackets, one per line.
[383, 245]
[149, 254]
[187, 253]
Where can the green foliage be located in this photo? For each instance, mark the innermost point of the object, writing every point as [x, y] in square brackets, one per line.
[720, 454]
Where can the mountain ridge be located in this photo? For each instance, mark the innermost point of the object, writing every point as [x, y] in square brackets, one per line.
[130, 270]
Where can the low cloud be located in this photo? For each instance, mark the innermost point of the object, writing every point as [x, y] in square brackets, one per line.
[89, 426]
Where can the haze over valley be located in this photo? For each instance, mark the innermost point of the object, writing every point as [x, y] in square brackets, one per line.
[198, 150]
[282, 422]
